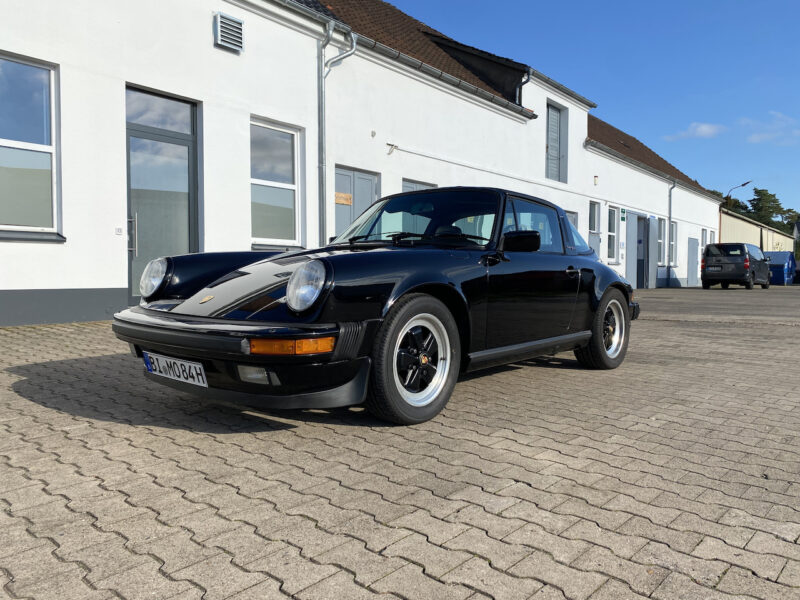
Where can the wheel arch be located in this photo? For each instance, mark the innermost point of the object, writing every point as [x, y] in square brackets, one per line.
[455, 302]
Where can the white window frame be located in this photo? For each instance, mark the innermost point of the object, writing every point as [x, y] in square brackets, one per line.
[594, 206]
[673, 247]
[52, 149]
[662, 246]
[613, 234]
[299, 203]
[703, 238]
[712, 237]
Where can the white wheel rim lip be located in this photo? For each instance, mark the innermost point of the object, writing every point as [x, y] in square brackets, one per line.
[431, 392]
[618, 334]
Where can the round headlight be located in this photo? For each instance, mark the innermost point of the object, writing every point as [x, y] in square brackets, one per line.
[152, 276]
[305, 285]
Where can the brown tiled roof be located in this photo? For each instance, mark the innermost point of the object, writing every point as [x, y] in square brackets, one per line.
[629, 146]
[392, 27]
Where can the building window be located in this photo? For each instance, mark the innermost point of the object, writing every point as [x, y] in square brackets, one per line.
[613, 226]
[410, 185]
[662, 232]
[712, 238]
[673, 234]
[556, 151]
[703, 238]
[594, 217]
[572, 217]
[273, 185]
[27, 147]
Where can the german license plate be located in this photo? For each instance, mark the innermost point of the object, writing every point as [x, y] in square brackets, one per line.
[714, 268]
[172, 368]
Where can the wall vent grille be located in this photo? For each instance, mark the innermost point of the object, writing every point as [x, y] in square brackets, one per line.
[228, 32]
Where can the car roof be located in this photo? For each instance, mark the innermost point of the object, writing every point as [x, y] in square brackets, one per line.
[501, 191]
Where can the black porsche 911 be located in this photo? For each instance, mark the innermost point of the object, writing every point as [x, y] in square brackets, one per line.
[421, 287]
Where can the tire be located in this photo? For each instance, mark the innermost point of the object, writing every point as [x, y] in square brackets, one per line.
[602, 352]
[726, 285]
[748, 283]
[765, 286]
[415, 361]
[706, 285]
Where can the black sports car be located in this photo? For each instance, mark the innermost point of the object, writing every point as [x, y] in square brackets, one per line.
[421, 287]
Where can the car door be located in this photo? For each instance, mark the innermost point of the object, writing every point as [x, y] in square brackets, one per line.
[531, 295]
[763, 265]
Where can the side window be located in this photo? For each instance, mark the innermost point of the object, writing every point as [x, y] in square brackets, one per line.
[535, 217]
[581, 247]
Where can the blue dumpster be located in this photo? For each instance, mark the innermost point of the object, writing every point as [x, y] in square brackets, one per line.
[782, 267]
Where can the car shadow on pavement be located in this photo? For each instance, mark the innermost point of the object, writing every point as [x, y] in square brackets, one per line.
[112, 388]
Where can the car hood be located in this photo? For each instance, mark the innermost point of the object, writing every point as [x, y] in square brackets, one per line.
[258, 291]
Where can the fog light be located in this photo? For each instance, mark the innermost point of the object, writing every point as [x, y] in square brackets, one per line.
[252, 374]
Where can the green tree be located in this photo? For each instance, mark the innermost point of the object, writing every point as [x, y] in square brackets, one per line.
[766, 208]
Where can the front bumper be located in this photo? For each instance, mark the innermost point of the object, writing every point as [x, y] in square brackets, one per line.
[326, 380]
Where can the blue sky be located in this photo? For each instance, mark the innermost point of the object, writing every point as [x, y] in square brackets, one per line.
[713, 86]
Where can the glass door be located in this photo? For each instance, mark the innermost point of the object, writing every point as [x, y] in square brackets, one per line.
[162, 201]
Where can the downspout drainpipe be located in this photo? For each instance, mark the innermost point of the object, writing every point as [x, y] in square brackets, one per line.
[321, 158]
[323, 69]
[669, 237]
[522, 83]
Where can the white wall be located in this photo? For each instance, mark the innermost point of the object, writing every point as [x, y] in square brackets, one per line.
[443, 135]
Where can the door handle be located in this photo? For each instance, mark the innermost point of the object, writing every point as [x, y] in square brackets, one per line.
[572, 271]
[135, 234]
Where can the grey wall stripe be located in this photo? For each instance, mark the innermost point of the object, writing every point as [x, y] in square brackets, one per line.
[28, 307]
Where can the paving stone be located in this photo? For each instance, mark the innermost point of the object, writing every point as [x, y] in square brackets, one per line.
[367, 566]
[741, 581]
[562, 549]
[641, 578]
[622, 545]
[412, 583]
[575, 583]
[477, 574]
[219, 577]
[668, 469]
[701, 570]
[296, 572]
[434, 559]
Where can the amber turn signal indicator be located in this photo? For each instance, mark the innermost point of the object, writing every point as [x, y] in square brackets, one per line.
[292, 347]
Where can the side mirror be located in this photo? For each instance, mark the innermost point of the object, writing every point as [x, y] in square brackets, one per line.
[330, 239]
[521, 241]
[768, 258]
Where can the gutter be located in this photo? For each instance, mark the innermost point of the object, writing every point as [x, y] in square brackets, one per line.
[562, 88]
[322, 181]
[669, 236]
[518, 93]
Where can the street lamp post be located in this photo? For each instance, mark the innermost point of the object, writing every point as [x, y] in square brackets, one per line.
[728, 199]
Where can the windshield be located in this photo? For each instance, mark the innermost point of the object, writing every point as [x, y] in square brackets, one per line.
[725, 250]
[466, 216]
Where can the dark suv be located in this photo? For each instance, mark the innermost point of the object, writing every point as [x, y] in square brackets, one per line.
[744, 264]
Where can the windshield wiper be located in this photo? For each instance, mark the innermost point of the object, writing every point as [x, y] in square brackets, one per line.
[394, 236]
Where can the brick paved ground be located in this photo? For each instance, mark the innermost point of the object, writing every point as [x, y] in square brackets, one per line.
[675, 476]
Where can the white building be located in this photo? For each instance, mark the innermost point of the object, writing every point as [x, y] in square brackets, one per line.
[135, 130]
